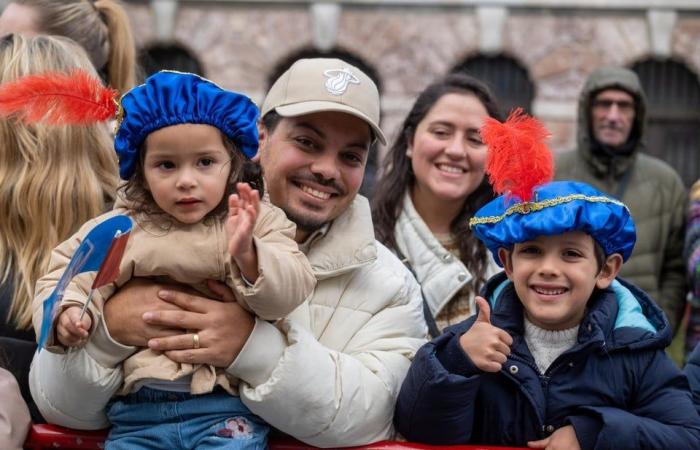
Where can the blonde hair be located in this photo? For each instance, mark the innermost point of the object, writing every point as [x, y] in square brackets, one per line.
[52, 178]
[101, 27]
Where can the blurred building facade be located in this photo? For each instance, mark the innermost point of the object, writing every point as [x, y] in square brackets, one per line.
[535, 53]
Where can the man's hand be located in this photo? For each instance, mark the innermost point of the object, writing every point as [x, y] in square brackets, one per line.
[222, 327]
[123, 312]
[564, 438]
[487, 346]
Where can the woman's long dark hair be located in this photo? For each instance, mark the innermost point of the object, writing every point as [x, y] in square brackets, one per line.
[398, 176]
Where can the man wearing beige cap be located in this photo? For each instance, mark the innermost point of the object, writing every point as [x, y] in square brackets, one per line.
[328, 374]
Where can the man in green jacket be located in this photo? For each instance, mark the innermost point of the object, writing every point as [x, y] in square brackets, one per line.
[611, 118]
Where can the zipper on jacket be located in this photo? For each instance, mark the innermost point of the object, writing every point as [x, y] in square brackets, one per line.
[544, 382]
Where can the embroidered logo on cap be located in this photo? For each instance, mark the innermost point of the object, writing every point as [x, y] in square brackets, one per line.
[339, 80]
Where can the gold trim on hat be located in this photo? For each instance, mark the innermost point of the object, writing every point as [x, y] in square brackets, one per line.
[119, 115]
[528, 207]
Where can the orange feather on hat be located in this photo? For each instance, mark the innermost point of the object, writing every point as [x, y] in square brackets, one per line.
[58, 98]
[518, 158]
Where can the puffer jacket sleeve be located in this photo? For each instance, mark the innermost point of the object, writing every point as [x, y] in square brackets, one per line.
[673, 286]
[71, 390]
[285, 277]
[662, 414]
[692, 371]
[436, 402]
[334, 397]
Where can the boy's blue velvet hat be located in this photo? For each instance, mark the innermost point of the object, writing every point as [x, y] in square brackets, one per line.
[557, 207]
[172, 98]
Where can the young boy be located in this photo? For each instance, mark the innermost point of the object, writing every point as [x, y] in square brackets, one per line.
[563, 355]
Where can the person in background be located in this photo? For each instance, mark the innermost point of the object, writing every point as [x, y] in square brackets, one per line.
[692, 371]
[692, 257]
[101, 27]
[433, 182]
[328, 373]
[609, 156]
[692, 254]
[52, 179]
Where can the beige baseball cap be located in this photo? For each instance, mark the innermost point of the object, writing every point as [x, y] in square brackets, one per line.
[325, 84]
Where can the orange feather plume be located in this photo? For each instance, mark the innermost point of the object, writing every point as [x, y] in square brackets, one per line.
[518, 158]
[58, 99]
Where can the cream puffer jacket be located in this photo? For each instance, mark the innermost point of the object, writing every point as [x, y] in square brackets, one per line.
[328, 374]
[440, 274]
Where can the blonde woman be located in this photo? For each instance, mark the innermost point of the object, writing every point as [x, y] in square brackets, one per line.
[52, 179]
[101, 27]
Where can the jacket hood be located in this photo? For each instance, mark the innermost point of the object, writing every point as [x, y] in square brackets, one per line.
[601, 79]
[620, 316]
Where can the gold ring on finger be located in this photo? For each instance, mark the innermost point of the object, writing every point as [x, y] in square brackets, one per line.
[195, 341]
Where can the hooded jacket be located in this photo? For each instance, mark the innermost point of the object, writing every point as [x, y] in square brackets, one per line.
[616, 386]
[649, 187]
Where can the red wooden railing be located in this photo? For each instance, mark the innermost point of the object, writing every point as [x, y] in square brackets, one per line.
[45, 437]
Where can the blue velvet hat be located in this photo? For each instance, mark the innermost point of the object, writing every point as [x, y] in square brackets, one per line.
[556, 207]
[172, 98]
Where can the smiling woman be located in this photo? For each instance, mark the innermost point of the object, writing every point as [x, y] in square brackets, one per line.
[433, 183]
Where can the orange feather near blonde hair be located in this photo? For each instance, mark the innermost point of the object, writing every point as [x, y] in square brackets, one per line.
[58, 99]
[518, 157]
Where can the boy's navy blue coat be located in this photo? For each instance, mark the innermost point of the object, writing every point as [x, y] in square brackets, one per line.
[616, 386]
[692, 370]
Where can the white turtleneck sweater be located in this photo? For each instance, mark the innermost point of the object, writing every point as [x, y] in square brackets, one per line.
[547, 345]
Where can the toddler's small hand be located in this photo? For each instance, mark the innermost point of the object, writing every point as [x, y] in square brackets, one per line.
[72, 331]
[564, 438]
[243, 210]
[486, 345]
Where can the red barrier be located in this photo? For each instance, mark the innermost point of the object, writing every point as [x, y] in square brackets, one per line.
[45, 437]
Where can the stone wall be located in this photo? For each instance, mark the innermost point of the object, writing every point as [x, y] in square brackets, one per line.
[240, 44]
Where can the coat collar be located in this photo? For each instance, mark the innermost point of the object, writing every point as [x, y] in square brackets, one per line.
[619, 316]
[349, 242]
[440, 273]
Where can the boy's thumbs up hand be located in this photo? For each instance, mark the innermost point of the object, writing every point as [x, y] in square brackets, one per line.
[487, 346]
[484, 310]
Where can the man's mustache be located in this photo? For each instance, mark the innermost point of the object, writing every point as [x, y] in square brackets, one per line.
[611, 126]
[319, 179]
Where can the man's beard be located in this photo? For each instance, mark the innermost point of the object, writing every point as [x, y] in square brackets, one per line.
[304, 223]
[307, 223]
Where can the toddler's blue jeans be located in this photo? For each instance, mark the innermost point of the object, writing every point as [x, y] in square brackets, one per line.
[153, 419]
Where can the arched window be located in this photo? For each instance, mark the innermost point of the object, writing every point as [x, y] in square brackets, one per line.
[169, 55]
[673, 113]
[507, 79]
[372, 159]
